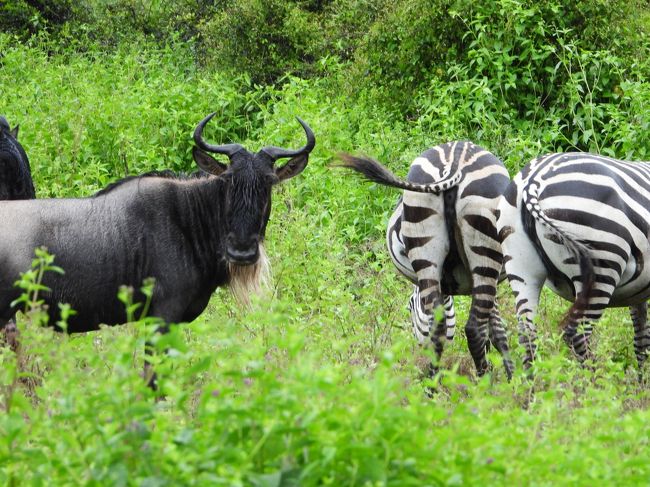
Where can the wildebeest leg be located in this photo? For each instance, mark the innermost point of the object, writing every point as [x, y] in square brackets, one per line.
[150, 375]
[10, 334]
[639, 314]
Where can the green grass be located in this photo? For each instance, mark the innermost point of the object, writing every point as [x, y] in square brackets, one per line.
[321, 384]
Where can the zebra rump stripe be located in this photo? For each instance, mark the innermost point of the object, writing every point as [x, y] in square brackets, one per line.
[579, 223]
[442, 237]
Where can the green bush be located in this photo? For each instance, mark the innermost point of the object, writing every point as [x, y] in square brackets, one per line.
[27, 17]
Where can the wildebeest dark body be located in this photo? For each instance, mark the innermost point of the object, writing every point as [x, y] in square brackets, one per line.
[15, 184]
[190, 233]
[15, 173]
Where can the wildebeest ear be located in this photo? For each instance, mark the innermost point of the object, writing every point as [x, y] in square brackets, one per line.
[208, 163]
[14, 132]
[292, 168]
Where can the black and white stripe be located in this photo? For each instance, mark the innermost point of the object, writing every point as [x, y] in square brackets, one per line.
[581, 224]
[420, 320]
[442, 236]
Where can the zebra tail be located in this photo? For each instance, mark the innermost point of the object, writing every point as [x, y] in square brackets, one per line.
[373, 171]
[579, 250]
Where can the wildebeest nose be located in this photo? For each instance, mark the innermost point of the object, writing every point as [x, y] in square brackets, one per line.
[242, 256]
[244, 251]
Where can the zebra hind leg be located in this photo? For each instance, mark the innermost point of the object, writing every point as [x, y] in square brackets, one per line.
[450, 317]
[577, 329]
[639, 314]
[438, 340]
[499, 339]
[476, 331]
[421, 321]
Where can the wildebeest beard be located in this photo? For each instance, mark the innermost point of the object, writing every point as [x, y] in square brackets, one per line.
[247, 280]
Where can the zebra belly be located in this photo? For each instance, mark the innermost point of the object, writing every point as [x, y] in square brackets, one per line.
[561, 288]
[633, 291]
[631, 286]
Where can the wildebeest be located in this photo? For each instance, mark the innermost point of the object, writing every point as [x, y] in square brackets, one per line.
[442, 237]
[191, 234]
[15, 184]
[15, 173]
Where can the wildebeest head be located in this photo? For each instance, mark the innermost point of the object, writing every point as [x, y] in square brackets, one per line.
[15, 175]
[248, 181]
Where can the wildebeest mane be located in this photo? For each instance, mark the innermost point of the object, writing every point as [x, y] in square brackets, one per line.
[165, 174]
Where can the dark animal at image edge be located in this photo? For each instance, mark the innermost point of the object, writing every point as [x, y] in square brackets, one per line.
[15, 184]
[190, 233]
[442, 237]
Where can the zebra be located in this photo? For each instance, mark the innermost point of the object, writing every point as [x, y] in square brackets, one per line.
[442, 237]
[579, 223]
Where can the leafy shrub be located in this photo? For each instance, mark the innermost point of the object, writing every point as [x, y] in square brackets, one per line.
[129, 112]
[26, 17]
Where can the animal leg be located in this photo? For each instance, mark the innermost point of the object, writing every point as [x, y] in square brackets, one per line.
[500, 340]
[576, 335]
[639, 314]
[526, 274]
[476, 329]
[450, 317]
[484, 258]
[431, 301]
[426, 245]
[420, 321]
[10, 335]
[150, 376]
[527, 300]
[577, 324]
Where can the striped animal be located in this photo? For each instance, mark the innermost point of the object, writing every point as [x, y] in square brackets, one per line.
[579, 223]
[442, 237]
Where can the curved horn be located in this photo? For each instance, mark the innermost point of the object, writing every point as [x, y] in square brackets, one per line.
[226, 149]
[278, 152]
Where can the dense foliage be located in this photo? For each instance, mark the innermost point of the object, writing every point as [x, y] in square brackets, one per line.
[320, 384]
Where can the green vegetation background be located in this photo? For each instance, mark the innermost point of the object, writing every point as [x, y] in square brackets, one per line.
[321, 383]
